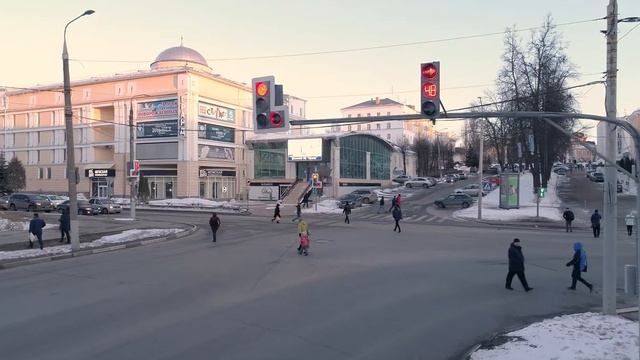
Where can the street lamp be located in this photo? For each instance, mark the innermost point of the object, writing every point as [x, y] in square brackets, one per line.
[72, 177]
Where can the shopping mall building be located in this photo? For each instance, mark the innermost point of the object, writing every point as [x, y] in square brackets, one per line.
[193, 137]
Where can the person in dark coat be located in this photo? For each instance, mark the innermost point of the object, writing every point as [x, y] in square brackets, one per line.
[347, 211]
[381, 208]
[298, 213]
[214, 223]
[568, 218]
[35, 227]
[579, 263]
[595, 223]
[397, 215]
[393, 203]
[276, 214]
[516, 266]
[65, 225]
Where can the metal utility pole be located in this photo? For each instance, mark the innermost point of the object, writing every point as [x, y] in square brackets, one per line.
[71, 159]
[610, 174]
[481, 164]
[132, 158]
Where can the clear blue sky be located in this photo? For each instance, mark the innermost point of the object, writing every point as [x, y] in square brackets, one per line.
[139, 30]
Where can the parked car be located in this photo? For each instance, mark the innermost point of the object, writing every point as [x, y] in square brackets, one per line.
[106, 206]
[462, 176]
[4, 203]
[471, 189]
[352, 199]
[462, 200]
[590, 174]
[84, 207]
[30, 202]
[418, 182]
[401, 179]
[432, 181]
[597, 177]
[560, 171]
[55, 199]
[450, 179]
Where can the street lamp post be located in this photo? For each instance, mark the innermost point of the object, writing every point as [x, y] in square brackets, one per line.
[71, 161]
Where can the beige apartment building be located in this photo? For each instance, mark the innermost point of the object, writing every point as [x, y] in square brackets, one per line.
[190, 129]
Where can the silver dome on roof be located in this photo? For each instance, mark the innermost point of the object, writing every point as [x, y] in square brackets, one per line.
[181, 53]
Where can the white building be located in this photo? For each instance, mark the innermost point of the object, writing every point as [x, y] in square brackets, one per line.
[297, 111]
[393, 131]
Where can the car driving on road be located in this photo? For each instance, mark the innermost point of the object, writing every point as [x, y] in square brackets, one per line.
[4, 203]
[401, 179]
[418, 182]
[471, 189]
[106, 206]
[462, 200]
[30, 202]
[352, 199]
[367, 196]
[84, 207]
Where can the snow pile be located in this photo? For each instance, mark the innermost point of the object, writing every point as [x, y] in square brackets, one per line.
[570, 337]
[126, 236]
[324, 207]
[549, 205]
[196, 203]
[121, 201]
[388, 193]
[8, 225]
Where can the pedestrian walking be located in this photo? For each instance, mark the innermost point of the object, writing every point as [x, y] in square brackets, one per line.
[276, 214]
[516, 266]
[305, 200]
[214, 223]
[35, 227]
[381, 208]
[397, 216]
[630, 220]
[393, 203]
[568, 217]
[65, 225]
[298, 213]
[303, 235]
[579, 263]
[595, 223]
[347, 211]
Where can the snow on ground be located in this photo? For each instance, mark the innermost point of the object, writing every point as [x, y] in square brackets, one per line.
[328, 206]
[126, 236]
[549, 205]
[196, 202]
[8, 225]
[570, 337]
[400, 189]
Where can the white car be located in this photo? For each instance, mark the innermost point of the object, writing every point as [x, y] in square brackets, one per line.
[471, 189]
[418, 182]
[55, 199]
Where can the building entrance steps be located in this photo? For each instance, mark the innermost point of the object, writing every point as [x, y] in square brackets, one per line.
[296, 193]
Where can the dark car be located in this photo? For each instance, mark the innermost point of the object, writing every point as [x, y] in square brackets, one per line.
[30, 202]
[352, 199]
[597, 177]
[106, 206]
[450, 179]
[462, 200]
[84, 207]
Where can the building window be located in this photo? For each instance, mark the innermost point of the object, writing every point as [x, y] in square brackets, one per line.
[359, 127]
[358, 115]
[37, 156]
[353, 158]
[270, 160]
[388, 125]
[368, 126]
[388, 113]
[348, 127]
[368, 114]
[377, 126]
[348, 115]
[378, 114]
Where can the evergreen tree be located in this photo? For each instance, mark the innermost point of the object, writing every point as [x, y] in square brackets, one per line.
[143, 188]
[471, 157]
[3, 174]
[16, 178]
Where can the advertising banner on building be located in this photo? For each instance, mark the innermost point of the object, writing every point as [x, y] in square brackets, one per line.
[264, 192]
[509, 191]
[157, 109]
[215, 152]
[154, 129]
[215, 132]
[216, 112]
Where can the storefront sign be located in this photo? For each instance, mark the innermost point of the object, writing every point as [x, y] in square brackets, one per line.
[217, 133]
[153, 129]
[216, 172]
[158, 109]
[215, 152]
[91, 173]
[216, 112]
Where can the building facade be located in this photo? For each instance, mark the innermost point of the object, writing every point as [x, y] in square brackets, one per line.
[190, 130]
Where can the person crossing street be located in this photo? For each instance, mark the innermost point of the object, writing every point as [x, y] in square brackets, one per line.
[568, 217]
[397, 216]
[347, 211]
[516, 266]
[579, 263]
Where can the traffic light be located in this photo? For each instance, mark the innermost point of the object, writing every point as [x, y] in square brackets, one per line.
[430, 89]
[268, 111]
[542, 191]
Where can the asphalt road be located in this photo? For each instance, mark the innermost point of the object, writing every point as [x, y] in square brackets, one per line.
[364, 292]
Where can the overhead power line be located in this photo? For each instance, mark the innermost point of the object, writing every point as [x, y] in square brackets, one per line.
[358, 49]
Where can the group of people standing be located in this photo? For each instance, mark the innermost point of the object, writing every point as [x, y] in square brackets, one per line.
[569, 216]
[516, 266]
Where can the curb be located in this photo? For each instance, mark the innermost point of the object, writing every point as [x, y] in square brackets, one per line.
[133, 244]
[191, 210]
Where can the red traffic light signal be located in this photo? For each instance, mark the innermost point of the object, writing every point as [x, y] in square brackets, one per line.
[269, 113]
[430, 89]
[275, 118]
[429, 70]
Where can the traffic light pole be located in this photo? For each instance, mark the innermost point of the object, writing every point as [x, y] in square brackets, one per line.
[132, 159]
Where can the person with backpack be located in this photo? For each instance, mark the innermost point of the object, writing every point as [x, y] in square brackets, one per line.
[579, 263]
[595, 223]
[397, 216]
[214, 223]
[568, 218]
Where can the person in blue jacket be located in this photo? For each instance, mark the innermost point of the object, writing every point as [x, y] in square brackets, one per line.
[579, 263]
[35, 227]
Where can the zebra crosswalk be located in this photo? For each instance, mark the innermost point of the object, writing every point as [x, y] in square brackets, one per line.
[418, 218]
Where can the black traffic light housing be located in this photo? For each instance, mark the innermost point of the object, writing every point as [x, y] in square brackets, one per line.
[430, 90]
[269, 112]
